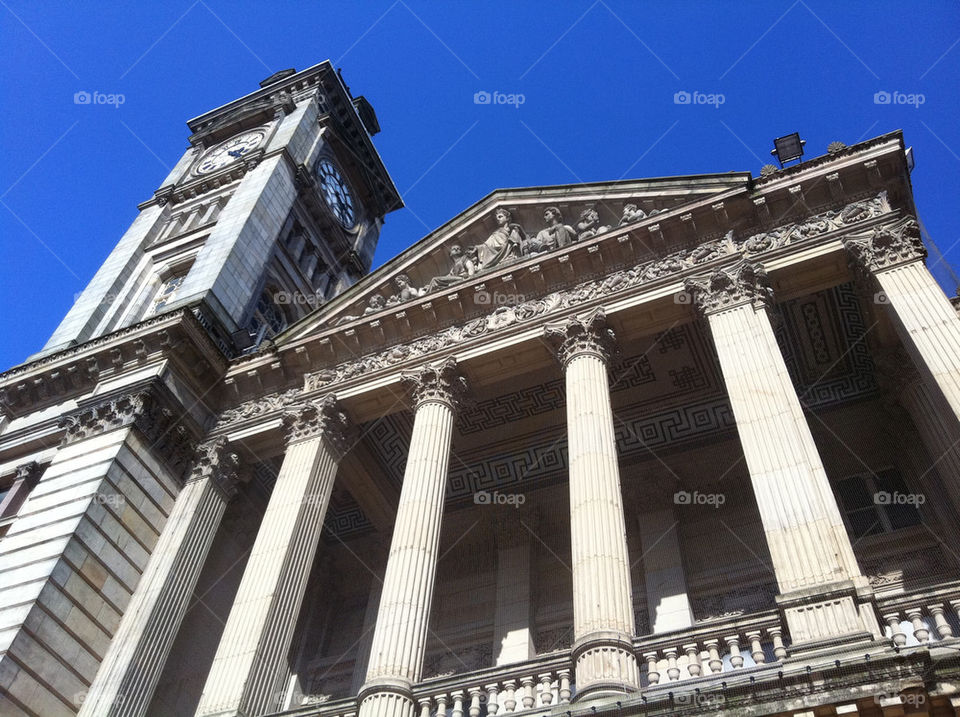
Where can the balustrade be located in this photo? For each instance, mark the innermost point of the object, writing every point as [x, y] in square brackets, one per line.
[921, 618]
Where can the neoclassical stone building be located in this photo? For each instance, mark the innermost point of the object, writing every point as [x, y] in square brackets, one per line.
[686, 445]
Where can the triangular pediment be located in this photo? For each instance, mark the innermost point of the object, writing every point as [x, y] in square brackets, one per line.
[510, 227]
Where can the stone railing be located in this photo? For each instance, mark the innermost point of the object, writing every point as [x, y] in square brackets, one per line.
[922, 617]
[713, 647]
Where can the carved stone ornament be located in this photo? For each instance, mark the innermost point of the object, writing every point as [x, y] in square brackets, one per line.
[886, 246]
[437, 383]
[321, 417]
[28, 472]
[151, 409]
[730, 287]
[258, 407]
[217, 463]
[582, 335]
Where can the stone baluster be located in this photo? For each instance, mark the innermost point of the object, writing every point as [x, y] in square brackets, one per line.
[251, 659]
[529, 696]
[396, 655]
[457, 697]
[694, 667]
[653, 675]
[804, 529]
[546, 692]
[920, 632]
[955, 605]
[896, 634]
[131, 669]
[756, 649]
[602, 595]
[776, 637]
[564, 692]
[441, 701]
[510, 699]
[476, 694]
[492, 704]
[673, 671]
[733, 644]
[713, 648]
[940, 621]
[425, 703]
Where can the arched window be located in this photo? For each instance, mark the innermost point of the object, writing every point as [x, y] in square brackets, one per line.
[268, 318]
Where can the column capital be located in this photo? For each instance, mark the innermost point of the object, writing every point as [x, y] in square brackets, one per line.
[28, 472]
[440, 382]
[322, 417]
[217, 463]
[886, 246]
[729, 287]
[587, 334]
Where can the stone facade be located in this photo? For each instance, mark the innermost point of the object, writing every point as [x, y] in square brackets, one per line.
[672, 446]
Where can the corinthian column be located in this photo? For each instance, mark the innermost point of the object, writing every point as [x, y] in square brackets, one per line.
[808, 542]
[926, 321]
[130, 670]
[399, 639]
[250, 663]
[602, 594]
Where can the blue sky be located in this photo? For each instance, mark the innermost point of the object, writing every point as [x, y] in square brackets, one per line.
[598, 80]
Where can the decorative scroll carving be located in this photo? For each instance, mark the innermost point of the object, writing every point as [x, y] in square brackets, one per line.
[258, 407]
[151, 409]
[437, 383]
[729, 287]
[322, 417]
[588, 334]
[886, 246]
[217, 463]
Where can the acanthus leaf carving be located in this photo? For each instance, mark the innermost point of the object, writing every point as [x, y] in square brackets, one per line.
[729, 287]
[218, 463]
[886, 246]
[588, 334]
[322, 417]
[440, 382]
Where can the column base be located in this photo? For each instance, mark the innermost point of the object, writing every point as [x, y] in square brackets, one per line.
[386, 697]
[606, 665]
[828, 617]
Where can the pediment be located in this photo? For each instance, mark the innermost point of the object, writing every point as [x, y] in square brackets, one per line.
[513, 227]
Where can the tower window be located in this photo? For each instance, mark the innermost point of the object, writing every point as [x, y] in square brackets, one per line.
[167, 292]
[268, 319]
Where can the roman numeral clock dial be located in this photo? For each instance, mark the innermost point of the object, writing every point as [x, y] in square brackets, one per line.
[228, 152]
[336, 193]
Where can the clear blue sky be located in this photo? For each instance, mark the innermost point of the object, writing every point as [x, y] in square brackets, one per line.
[598, 80]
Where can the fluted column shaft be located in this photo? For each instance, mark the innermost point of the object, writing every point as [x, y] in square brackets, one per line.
[399, 640]
[804, 529]
[602, 593]
[250, 660]
[130, 670]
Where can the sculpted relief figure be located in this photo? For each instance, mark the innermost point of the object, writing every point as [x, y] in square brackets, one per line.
[632, 213]
[504, 244]
[405, 290]
[461, 267]
[589, 224]
[555, 235]
[374, 304]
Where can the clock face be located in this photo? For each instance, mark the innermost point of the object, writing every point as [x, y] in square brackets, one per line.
[228, 152]
[336, 193]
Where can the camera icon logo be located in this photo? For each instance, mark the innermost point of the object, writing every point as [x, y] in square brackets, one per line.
[82, 98]
[882, 498]
[682, 497]
[682, 97]
[281, 297]
[481, 98]
[682, 298]
[881, 298]
[881, 98]
[482, 497]
[483, 298]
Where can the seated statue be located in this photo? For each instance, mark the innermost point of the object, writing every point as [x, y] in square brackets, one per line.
[462, 266]
[555, 235]
[503, 244]
[374, 304]
[406, 290]
[632, 213]
[589, 224]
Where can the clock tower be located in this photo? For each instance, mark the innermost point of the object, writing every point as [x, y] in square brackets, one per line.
[274, 208]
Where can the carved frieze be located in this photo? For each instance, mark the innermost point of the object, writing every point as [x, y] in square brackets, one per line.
[437, 383]
[323, 417]
[587, 334]
[217, 463]
[258, 407]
